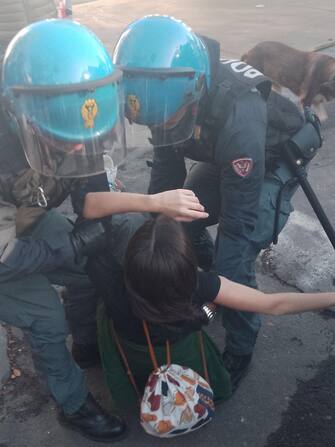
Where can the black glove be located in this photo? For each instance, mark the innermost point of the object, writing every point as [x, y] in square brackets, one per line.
[88, 238]
[83, 186]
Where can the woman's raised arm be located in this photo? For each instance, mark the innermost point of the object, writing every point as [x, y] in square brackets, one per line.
[179, 204]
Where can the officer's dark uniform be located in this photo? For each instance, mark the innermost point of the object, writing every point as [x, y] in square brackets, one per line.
[40, 257]
[230, 181]
[29, 266]
[37, 249]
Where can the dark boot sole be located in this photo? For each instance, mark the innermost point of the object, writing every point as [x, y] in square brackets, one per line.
[92, 438]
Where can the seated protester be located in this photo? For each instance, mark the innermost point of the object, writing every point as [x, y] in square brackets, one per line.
[161, 284]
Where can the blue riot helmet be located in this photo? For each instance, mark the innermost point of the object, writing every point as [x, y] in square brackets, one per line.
[63, 92]
[166, 70]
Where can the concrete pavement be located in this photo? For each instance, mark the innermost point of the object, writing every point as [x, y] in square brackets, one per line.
[237, 24]
[4, 363]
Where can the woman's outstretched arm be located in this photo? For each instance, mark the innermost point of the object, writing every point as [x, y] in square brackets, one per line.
[240, 297]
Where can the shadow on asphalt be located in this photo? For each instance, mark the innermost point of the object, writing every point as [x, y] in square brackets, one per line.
[309, 419]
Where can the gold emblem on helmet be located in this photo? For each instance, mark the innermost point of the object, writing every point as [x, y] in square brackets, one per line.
[89, 111]
[133, 106]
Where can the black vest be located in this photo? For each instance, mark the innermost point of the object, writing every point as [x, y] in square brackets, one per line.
[12, 158]
[234, 78]
[230, 80]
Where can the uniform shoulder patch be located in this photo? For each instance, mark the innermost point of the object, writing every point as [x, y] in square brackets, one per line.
[242, 166]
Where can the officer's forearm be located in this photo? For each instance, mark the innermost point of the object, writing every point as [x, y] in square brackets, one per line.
[237, 222]
[83, 186]
[232, 259]
[168, 170]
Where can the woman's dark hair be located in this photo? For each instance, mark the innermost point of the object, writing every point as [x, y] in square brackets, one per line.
[161, 272]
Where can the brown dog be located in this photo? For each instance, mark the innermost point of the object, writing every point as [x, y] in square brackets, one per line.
[310, 75]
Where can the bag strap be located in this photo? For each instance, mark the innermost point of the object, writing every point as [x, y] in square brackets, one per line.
[153, 356]
[168, 351]
[125, 360]
[151, 348]
[203, 356]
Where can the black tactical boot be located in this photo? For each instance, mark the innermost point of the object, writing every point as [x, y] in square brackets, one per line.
[94, 423]
[237, 365]
[86, 356]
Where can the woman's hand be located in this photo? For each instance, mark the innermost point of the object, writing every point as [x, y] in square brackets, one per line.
[179, 204]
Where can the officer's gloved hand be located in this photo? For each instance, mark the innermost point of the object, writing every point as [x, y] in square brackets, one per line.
[88, 238]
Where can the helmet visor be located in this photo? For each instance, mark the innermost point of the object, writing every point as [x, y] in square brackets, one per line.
[66, 134]
[166, 103]
[52, 157]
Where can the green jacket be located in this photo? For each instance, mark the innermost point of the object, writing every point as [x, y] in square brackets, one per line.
[185, 352]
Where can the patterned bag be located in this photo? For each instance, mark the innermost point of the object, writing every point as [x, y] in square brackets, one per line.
[176, 399]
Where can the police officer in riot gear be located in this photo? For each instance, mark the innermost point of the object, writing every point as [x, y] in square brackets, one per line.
[58, 118]
[214, 112]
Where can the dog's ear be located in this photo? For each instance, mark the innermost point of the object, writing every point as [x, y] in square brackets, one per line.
[327, 89]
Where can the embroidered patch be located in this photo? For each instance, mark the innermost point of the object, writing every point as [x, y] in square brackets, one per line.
[242, 166]
[89, 111]
[133, 106]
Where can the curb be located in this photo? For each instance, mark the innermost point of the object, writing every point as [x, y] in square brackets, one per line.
[80, 2]
[4, 362]
[324, 46]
